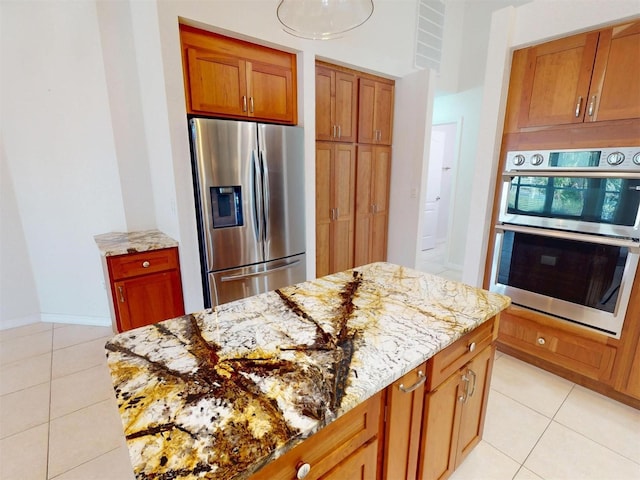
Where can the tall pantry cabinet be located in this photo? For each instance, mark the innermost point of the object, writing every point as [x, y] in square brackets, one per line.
[354, 123]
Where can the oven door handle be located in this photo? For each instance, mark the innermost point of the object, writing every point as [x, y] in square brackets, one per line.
[632, 245]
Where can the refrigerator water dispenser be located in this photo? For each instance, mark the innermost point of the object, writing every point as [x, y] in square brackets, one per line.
[226, 206]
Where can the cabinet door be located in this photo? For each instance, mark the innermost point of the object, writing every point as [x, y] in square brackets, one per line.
[615, 87]
[148, 299]
[346, 98]
[441, 423]
[556, 81]
[375, 112]
[372, 198]
[344, 186]
[360, 465]
[405, 399]
[217, 83]
[325, 103]
[476, 377]
[335, 202]
[324, 207]
[270, 92]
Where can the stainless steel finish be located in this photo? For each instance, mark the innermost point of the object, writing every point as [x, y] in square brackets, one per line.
[578, 106]
[586, 316]
[339, 131]
[121, 292]
[615, 158]
[572, 173]
[516, 160]
[233, 284]
[244, 103]
[145, 264]
[251, 103]
[265, 163]
[636, 158]
[537, 159]
[592, 105]
[334, 132]
[473, 384]
[421, 379]
[632, 231]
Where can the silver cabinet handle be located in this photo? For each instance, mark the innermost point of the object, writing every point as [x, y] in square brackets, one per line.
[472, 346]
[146, 264]
[421, 379]
[592, 104]
[339, 131]
[578, 107]
[121, 292]
[334, 132]
[337, 213]
[541, 341]
[473, 384]
[302, 470]
[251, 103]
[244, 103]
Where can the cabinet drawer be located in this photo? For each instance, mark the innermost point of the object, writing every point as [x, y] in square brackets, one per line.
[330, 446]
[444, 363]
[144, 263]
[569, 348]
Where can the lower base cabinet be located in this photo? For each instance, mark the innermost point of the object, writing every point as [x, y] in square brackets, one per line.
[420, 427]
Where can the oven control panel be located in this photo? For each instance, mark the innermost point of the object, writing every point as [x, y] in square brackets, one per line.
[610, 158]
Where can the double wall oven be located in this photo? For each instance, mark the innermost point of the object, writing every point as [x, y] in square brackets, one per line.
[567, 238]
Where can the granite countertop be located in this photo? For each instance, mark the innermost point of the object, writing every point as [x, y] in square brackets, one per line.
[219, 393]
[120, 243]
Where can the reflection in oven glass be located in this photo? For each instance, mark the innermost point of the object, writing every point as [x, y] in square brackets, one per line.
[583, 273]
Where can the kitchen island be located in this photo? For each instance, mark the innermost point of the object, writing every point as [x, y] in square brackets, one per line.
[223, 392]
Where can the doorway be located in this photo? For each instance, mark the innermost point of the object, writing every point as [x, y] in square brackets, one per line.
[438, 204]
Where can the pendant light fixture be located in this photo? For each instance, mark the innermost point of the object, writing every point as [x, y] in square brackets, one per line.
[322, 19]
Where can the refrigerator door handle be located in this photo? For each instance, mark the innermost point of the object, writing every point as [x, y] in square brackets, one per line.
[231, 278]
[256, 179]
[265, 193]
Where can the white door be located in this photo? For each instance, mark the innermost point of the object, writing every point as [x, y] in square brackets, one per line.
[430, 210]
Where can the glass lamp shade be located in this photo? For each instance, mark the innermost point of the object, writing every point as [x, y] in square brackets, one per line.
[323, 19]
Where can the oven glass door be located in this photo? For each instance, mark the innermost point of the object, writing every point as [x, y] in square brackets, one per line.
[587, 282]
[609, 206]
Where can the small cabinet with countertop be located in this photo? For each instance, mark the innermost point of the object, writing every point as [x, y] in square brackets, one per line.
[143, 273]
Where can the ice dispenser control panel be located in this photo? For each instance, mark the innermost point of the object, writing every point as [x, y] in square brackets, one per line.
[226, 206]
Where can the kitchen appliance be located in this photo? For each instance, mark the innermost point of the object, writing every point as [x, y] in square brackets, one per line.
[249, 189]
[567, 242]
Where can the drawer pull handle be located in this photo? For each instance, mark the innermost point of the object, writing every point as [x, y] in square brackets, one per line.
[472, 346]
[541, 341]
[121, 292]
[146, 264]
[303, 470]
[421, 379]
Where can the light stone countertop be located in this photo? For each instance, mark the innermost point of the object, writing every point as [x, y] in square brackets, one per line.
[220, 392]
[120, 243]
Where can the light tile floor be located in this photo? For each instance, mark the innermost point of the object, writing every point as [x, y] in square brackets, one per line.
[59, 420]
[435, 261]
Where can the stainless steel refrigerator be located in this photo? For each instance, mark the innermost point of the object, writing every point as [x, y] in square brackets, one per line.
[249, 188]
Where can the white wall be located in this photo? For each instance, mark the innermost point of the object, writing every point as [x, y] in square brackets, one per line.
[60, 155]
[95, 133]
[511, 29]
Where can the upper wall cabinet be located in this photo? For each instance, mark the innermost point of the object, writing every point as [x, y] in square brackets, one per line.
[589, 77]
[375, 111]
[224, 77]
[336, 104]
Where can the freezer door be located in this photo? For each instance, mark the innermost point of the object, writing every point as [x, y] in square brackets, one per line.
[229, 188]
[238, 283]
[281, 152]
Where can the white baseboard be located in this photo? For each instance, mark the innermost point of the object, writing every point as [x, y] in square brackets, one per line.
[76, 319]
[20, 321]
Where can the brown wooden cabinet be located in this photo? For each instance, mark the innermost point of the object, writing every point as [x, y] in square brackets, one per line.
[435, 413]
[589, 77]
[145, 287]
[375, 111]
[336, 104]
[335, 201]
[372, 203]
[346, 448]
[225, 77]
